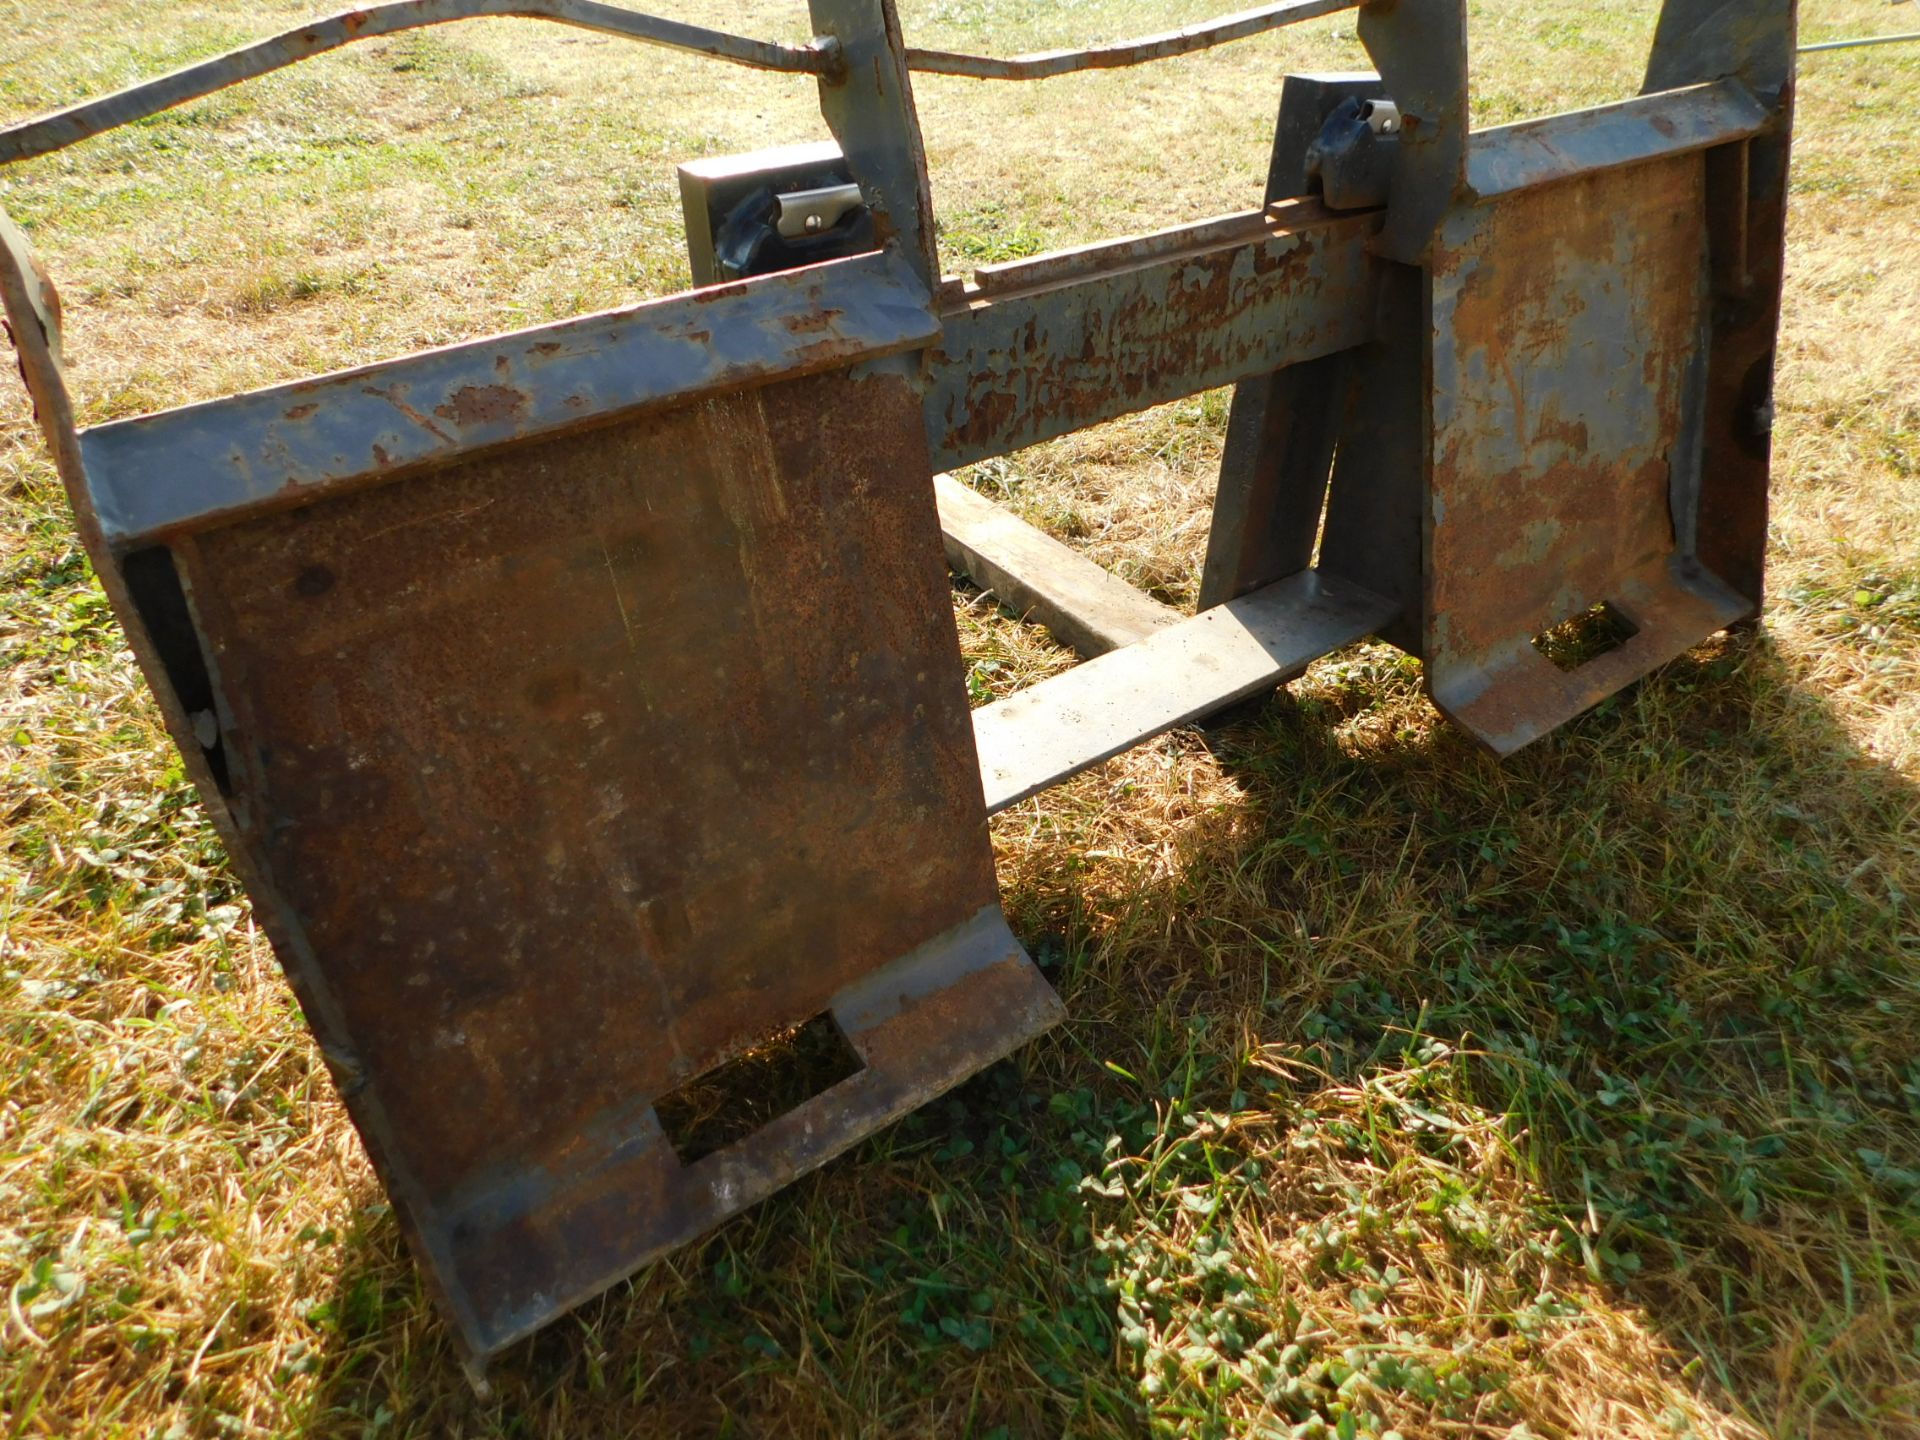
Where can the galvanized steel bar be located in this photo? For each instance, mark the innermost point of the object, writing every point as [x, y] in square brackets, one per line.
[1860, 43]
[1072, 721]
[291, 443]
[1204, 36]
[79, 122]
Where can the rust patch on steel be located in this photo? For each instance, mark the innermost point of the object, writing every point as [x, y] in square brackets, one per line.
[483, 404]
[823, 319]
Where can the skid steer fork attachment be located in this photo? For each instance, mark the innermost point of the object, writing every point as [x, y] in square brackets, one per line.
[582, 707]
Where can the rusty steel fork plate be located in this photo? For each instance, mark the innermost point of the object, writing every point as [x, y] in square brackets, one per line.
[566, 769]
[583, 766]
[1569, 343]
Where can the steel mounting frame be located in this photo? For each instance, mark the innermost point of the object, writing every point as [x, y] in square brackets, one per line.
[582, 706]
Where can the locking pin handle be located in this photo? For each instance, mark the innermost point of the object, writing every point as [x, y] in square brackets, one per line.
[812, 212]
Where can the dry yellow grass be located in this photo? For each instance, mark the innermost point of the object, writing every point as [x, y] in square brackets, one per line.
[1576, 1096]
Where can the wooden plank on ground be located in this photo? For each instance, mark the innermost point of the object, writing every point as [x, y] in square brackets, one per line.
[1074, 720]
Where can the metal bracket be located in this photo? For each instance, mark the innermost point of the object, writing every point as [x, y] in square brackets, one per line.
[1351, 162]
[809, 212]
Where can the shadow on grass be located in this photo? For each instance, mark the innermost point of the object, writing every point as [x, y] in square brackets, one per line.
[1673, 948]
[939, 1279]
[1668, 951]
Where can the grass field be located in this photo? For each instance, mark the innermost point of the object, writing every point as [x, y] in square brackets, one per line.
[1402, 1090]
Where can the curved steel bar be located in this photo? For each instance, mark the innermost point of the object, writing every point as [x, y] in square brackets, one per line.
[80, 122]
[1203, 36]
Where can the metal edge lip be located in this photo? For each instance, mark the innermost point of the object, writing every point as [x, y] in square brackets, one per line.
[1530, 153]
[289, 444]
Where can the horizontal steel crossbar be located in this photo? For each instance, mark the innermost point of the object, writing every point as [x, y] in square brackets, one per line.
[1040, 349]
[1097, 334]
[1029, 351]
